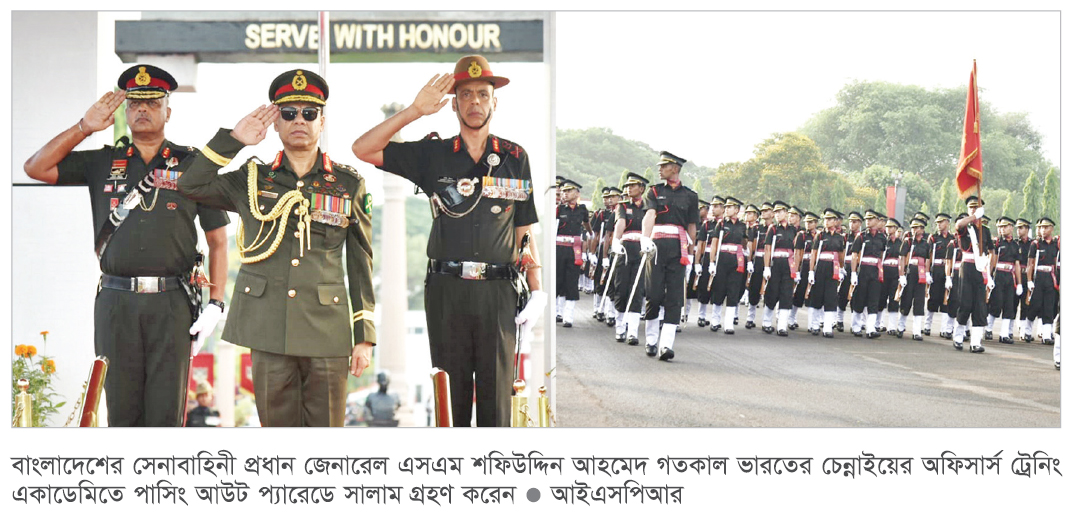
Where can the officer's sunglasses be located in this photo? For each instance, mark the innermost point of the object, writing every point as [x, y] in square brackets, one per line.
[308, 113]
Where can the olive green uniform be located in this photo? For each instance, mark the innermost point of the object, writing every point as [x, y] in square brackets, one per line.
[291, 306]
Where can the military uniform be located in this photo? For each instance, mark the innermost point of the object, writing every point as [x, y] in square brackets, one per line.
[827, 262]
[570, 221]
[798, 298]
[953, 256]
[676, 209]
[780, 246]
[731, 256]
[973, 276]
[1006, 276]
[938, 245]
[632, 213]
[703, 283]
[1023, 300]
[844, 292]
[603, 222]
[917, 252]
[1045, 297]
[888, 302]
[755, 263]
[142, 315]
[870, 247]
[290, 304]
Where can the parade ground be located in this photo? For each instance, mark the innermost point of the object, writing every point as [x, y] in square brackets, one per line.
[752, 379]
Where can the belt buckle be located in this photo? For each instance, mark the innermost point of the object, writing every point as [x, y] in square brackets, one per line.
[145, 285]
[473, 271]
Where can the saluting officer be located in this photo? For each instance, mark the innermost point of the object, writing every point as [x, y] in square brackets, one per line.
[782, 256]
[1022, 239]
[728, 254]
[938, 245]
[296, 216]
[916, 278]
[1007, 276]
[480, 187]
[572, 222]
[868, 249]
[142, 315]
[703, 267]
[854, 224]
[1044, 289]
[626, 243]
[976, 243]
[671, 214]
[826, 269]
[755, 261]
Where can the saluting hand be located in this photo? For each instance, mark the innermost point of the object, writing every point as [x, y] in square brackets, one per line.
[103, 112]
[431, 98]
[253, 127]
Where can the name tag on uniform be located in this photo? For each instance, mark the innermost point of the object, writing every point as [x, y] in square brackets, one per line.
[166, 178]
[505, 188]
[119, 170]
[270, 195]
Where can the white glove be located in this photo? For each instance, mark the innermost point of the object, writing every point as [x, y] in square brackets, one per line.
[617, 247]
[746, 298]
[929, 279]
[811, 278]
[712, 269]
[604, 262]
[690, 258]
[992, 284]
[1019, 289]
[982, 264]
[767, 273]
[750, 267]
[948, 283]
[528, 317]
[697, 268]
[979, 213]
[903, 281]
[796, 278]
[854, 279]
[1030, 285]
[593, 258]
[843, 273]
[647, 245]
[204, 327]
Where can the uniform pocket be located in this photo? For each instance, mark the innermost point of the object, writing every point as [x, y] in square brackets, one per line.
[250, 284]
[329, 295]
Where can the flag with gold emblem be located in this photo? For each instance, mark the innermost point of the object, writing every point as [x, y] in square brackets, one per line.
[969, 171]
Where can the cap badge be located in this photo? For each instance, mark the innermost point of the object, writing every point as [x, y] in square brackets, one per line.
[475, 70]
[299, 82]
[142, 79]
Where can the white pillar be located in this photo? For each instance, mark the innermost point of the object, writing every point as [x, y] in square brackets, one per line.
[392, 298]
[224, 390]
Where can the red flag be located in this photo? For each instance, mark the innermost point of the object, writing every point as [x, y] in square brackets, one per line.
[969, 171]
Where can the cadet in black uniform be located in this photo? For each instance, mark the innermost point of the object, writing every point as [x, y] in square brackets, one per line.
[868, 249]
[755, 261]
[475, 240]
[671, 215]
[854, 224]
[1044, 264]
[626, 243]
[728, 252]
[974, 269]
[604, 221]
[572, 221]
[1007, 275]
[806, 235]
[938, 245]
[694, 266]
[826, 266]
[142, 315]
[781, 267]
[1022, 238]
[952, 257]
[290, 304]
[916, 252]
[703, 267]
[888, 310]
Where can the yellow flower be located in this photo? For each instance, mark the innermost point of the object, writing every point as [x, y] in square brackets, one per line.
[49, 366]
[45, 333]
[30, 351]
[20, 350]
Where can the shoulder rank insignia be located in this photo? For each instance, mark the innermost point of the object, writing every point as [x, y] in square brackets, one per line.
[276, 162]
[455, 144]
[327, 162]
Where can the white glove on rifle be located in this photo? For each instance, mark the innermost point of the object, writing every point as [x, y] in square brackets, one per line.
[811, 278]
[712, 269]
[204, 327]
[948, 283]
[992, 284]
[604, 262]
[929, 279]
[903, 281]
[843, 273]
[617, 247]
[697, 268]
[767, 273]
[1030, 286]
[750, 267]
[647, 245]
[528, 317]
[1019, 290]
[854, 279]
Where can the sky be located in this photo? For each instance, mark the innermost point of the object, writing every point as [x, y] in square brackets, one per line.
[709, 86]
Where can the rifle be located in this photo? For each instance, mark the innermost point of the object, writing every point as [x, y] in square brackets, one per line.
[765, 281]
[716, 258]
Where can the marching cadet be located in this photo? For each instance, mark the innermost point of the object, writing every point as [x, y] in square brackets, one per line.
[290, 300]
[473, 288]
[854, 223]
[603, 221]
[614, 198]
[694, 267]
[976, 244]
[626, 243]
[755, 260]
[1044, 289]
[782, 259]
[890, 306]
[956, 332]
[572, 222]
[141, 318]
[826, 269]
[671, 214]
[938, 246]
[806, 235]
[727, 255]
[703, 266]
[916, 277]
[1022, 228]
[868, 250]
[1008, 279]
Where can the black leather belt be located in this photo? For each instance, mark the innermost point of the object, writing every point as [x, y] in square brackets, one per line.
[472, 270]
[140, 284]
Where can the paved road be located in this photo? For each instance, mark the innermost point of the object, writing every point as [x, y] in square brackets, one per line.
[752, 379]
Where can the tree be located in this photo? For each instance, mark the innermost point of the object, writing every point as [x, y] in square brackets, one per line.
[924, 208]
[1031, 198]
[880, 203]
[595, 197]
[1050, 200]
[1007, 209]
[623, 178]
[944, 199]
